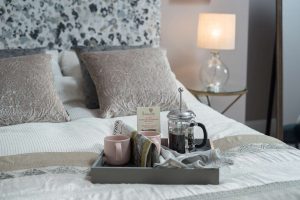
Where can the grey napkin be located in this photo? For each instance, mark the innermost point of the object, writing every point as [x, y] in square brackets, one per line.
[200, 159]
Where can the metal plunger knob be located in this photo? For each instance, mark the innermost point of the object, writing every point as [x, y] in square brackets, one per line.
[180, 90]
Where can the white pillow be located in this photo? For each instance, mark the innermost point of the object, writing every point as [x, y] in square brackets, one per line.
[69, 89]
[70, 65]
[69, 84]
[55, 63]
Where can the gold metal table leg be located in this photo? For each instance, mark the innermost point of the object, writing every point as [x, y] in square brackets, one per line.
[233, 102]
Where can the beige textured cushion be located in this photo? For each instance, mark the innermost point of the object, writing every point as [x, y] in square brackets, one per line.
[89, 88]
[128, 79]
[27, 93]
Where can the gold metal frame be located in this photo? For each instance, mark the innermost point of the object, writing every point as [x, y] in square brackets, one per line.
[199, 93]
[279, 72]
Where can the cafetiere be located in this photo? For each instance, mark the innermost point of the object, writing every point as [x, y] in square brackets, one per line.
[181, 129]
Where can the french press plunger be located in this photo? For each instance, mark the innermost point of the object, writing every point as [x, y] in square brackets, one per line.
[181, 129]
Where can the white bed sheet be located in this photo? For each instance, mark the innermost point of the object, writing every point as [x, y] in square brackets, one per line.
[274, 170]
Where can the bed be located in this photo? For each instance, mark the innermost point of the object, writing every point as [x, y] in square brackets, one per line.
[44, 160]
[264, 169]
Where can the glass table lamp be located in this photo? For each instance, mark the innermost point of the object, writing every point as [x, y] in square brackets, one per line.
[215, 32]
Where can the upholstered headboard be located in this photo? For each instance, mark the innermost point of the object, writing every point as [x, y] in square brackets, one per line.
[60, 24]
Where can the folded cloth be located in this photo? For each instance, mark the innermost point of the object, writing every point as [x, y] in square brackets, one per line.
[199, 159]
[120, 128]
[144, 152]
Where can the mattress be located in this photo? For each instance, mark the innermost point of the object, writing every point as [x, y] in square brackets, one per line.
[261, 169]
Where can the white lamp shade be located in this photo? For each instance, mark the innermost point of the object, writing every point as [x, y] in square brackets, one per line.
[216, 31]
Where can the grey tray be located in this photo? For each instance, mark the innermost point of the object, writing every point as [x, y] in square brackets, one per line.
[101, 173]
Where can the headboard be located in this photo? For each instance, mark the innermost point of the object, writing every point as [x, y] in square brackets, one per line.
[60, 24]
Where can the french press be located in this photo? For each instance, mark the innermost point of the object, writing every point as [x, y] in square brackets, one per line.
[181, 129]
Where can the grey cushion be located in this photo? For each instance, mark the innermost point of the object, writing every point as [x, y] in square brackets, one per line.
[128, 79]
[8, 53]
[27, 93]
[89, 89]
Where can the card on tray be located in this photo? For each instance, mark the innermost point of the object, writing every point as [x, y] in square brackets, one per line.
[148, 119]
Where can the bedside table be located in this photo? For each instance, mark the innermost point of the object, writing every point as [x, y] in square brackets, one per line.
[227, 91]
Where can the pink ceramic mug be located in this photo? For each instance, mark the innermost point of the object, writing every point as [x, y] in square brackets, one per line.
[117, 149]
[154, 137]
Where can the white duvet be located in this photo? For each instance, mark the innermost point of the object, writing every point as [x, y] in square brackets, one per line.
[260, 171]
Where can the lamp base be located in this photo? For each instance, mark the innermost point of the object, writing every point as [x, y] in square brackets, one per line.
[215, 75]
[213, 88]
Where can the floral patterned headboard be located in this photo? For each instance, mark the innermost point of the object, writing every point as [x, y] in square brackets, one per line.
[60, 24]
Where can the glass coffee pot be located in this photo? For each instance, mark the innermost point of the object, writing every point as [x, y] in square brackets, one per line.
[181, 129]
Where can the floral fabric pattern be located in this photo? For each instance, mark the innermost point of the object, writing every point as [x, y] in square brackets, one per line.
[61, 24]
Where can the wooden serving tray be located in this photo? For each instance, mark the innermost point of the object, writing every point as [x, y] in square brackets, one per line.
[102, 173]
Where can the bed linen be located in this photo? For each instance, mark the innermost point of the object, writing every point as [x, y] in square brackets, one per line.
[262, 169]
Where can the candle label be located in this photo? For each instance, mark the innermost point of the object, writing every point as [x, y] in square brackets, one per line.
[148, 119]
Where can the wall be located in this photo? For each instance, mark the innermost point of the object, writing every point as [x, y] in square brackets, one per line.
[260, 55]
[260, 58]
[291, 61]
[179, 34]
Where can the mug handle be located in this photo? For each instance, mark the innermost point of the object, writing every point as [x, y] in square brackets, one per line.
[204, 133]
[118, 151]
